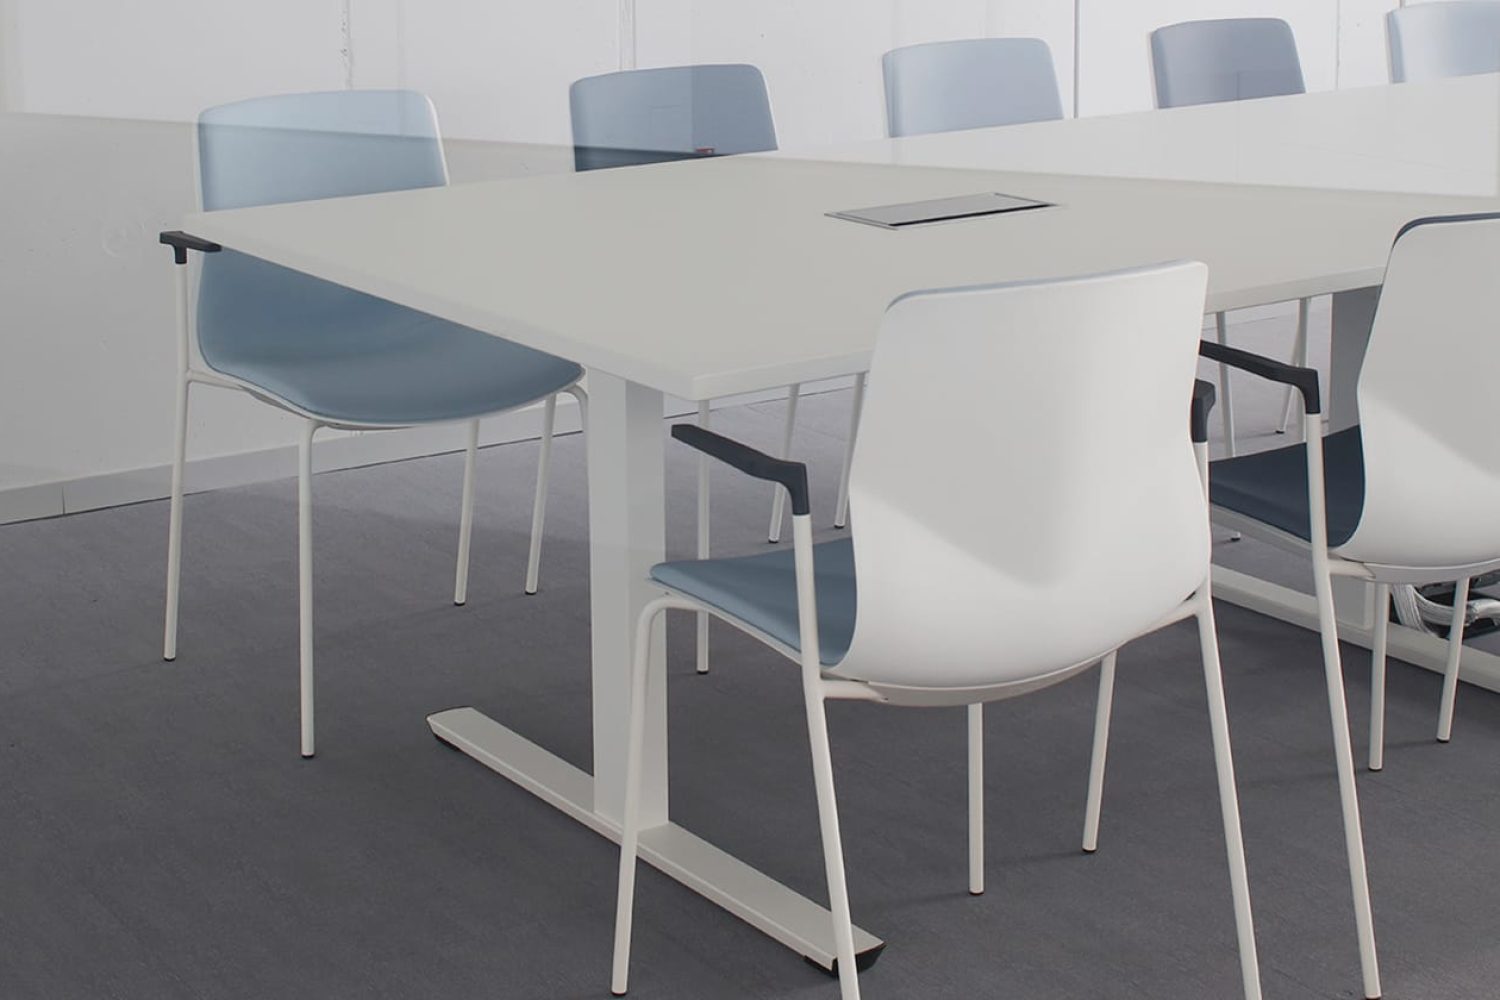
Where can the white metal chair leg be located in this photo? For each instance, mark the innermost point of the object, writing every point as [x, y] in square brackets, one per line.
[174, 524]
[539, 502]
[976, 800]
[1455, 655]
[1354, 843]
[1229, 803]
[1101, 748]
[304, 581]
[1338, 711]
[1378, 642]
[778, 501]
[466, 517]
[1226, 398]
[833, 848]
[841, 515]
[630, 830]
[179, 457]
[704, 534]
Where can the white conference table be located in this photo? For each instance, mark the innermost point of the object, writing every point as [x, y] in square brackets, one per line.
[714, 277]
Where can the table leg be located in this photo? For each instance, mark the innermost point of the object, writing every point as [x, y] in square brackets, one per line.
[627, 536]
[1353, 315]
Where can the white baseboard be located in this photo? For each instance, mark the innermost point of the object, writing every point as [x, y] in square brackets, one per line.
[343, 451]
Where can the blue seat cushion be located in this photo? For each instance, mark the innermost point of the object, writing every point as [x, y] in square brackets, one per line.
[345, 356]
[1271, 486]
[761, 591]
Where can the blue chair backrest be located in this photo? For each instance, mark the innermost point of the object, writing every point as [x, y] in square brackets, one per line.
[300, 147]
[1234, 59]
[971, 83]
[1430, 41]
[656, 115]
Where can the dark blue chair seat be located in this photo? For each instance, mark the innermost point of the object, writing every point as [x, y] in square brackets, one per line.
[1271, 486]
[345, 356]
[761, 591]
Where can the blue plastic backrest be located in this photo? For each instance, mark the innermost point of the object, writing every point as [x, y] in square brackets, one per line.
[655, 115]
[299, 147]
[1434, 40]
[1235, 59]
[972, 83]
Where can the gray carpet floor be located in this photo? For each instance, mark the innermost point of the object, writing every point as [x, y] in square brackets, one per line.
[160, 837]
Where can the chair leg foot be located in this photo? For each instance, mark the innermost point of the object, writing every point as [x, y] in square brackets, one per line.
[174, 525]
[976, 800]
[1101, 747]
[1378, 644]
[466, 516]
[539, 502]
[305, 584]
[1455, 658]
[705, 532]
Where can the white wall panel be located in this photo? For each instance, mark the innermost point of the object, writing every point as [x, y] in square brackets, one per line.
[167, 59]
[1362, 45]
[500, 69]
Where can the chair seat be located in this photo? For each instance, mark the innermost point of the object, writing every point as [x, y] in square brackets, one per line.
[761, 591]
[1271, 486]
[348, 357]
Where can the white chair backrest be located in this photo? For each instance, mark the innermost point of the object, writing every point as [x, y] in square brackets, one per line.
[1429, 41]
[1426, 401]
[1027, 492]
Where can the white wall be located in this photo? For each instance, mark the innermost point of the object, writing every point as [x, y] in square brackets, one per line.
[86, 334]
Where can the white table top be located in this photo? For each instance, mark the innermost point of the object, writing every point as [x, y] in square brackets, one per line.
[709, 278]
[1438, 137]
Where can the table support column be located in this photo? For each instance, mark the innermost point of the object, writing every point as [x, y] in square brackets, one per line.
[627, 536]
[1353, 314]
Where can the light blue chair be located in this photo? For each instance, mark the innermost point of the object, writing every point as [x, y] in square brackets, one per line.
[333, 356]
[970, 83]
[645, 116]
[1231, 59]
[1430, 41]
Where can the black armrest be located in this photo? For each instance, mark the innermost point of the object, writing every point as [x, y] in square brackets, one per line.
[181, 243]
[1304, 380]
[792, 475]
[1204, 396]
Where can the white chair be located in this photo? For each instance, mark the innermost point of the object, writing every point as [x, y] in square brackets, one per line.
[330, 355]
[1431, 41]
[978, 525]
[645, 116]
[1406, 496]
[1231, 59]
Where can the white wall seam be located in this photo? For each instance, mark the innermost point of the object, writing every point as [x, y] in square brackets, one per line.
[628, 50]
[346, 50]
